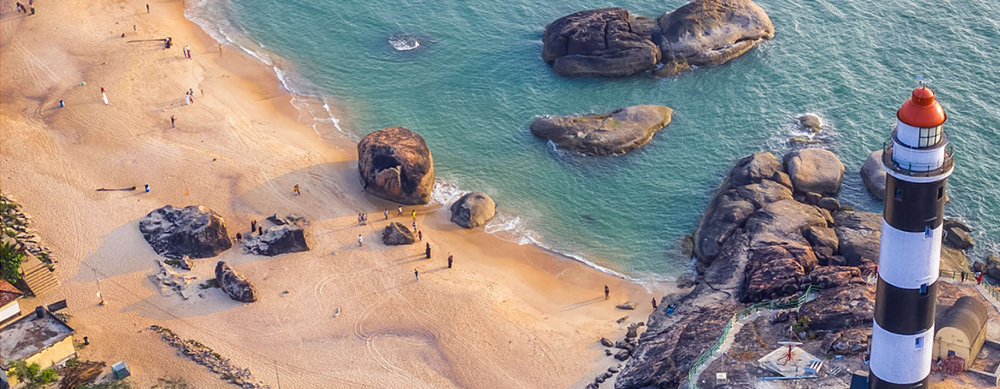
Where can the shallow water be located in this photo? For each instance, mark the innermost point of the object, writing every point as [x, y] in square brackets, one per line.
[475, 81]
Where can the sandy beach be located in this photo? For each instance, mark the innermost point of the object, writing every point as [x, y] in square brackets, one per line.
[506, 316]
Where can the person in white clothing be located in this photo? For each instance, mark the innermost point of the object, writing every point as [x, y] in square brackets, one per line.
[360, 239]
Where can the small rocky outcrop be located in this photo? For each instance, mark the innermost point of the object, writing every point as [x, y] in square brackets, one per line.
[277, 240]
[235, 285]
[473, 210]
[628, 306]
[810, 123]
[873, 174]
[814, 170]
[860, 235]
[841, 308]
[709, 32]
[993, 266]
[194, 231]
[617, 132]
[396, 234]
[956, 235]
[170, 281]
[395, 164]
[829, 277]
[854, 341]
[607, 42]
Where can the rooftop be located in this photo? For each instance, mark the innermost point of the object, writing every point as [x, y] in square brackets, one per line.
[29, 335]
[8, 293]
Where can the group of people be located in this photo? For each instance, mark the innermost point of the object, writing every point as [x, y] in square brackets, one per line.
[189, 97]
[22, 9]
[362, 219]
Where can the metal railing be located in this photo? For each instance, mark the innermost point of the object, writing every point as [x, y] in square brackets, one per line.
[991, 288]
[888, 162]
[749, 310]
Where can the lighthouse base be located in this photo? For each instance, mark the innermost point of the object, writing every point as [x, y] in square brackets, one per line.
[875, 383]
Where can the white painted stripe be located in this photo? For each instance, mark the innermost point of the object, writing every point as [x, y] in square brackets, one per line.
[919, 179]
[919, 160]
[910, 135]
[895, 358]
[909, 259]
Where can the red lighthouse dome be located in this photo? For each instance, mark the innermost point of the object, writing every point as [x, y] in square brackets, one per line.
[922, 110]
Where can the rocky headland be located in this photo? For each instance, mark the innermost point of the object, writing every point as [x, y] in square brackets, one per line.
[616, 132]
[612, 42]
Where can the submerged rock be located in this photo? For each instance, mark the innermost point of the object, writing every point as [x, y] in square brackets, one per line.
[607, 42]
[395, 164]
[235, 285]
[193, 231]
[473, 210]
[709, 32]
[617, 132]
[810, 123]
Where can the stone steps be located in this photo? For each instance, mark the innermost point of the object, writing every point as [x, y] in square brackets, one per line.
[38, 277]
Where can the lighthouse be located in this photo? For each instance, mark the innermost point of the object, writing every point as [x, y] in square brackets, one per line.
[918, 161]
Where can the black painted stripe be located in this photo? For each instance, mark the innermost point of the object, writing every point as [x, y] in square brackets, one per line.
[911, 206]
[875, 383]
[904, 311]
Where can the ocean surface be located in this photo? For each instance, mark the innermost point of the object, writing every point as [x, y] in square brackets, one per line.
[467, 75]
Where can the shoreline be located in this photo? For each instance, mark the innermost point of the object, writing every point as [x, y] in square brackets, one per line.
[238, 150]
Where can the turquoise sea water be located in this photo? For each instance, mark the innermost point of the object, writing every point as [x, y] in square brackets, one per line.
[477, 81]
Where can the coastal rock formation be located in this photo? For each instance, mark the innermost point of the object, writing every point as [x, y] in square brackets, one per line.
[814, 170]
[810, 123]
[235, 285]
[277, 240]
[473, 210]
[396, 234]
[617, 132]
[841, 308]
[828, 277]
[993, 266]
[709, 32]
[606, 42]
[860, 234]
[395, 164]
[956, 235]
[194, 231]
[849, 342]
[873, 175]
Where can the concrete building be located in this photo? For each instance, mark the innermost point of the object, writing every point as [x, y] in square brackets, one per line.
[917, 161]
[9, 309]
[36, 338]
[961, 330]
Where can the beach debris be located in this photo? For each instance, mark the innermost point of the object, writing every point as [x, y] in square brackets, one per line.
[195, 231]
[473, 210]
[205, 356]
[129, 189]
[236, 286]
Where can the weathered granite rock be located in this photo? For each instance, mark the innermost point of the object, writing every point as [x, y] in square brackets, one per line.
[396, 234]
[957, 237]
[814, 170]
[282, 239]
[617, 132]
[841, 308]
[473, 210]
[835, 276]
[235, 285]
[824, 243]
[853, 341]
[780, 253]
[953, 259]
[810, 123]
[859, 234]
[828, 203]
[395, 164]
[873, 174]
[993, 266]
[606, 342]
[607, 42]
[980, 266]
[626, 306]
[709, 32]
[194, 231]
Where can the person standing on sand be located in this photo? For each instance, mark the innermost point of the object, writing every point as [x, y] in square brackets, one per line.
[260, 230]
[450, 258]
[360, 239]
[413, 214]
[253, 225]
[416, 274]
[172, 121]
[104, 96]
[420, 236]
[428, 251]
[654, 303]
[147, 8]
[399, 210]
[607, 292]
[191, 91]
[414, 225]
[187, 51]
[296, 190]
[386, 213]
[239, 237]
[187, 98]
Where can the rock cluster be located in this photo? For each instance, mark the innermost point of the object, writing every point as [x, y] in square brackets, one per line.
[286, 236]
[624, 346]
[169, 280]
[25, 238]
[194, 231]
[395, 164]
[617, 132]
[473, 210]
[612, 42]
[202, 355]
[234, 284]
[396, 234]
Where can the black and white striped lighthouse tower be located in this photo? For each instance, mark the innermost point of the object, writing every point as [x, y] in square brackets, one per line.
[918, 161]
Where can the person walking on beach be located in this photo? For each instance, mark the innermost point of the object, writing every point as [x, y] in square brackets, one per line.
[147, 8]
[416, 274]
[420, 236]
[386, 213]
[413, 214]
[172, 121]
[187, 51]
[450, 258]
[253, 225]
[428, 251]
[360, 240]
[963, 276]
[296, 190]
[260, 230]
[414, 225]
[607, 292]
[187, 98]
[399, 210]
[654, 303]
[191, 91]
[105, 96]
[220, 49]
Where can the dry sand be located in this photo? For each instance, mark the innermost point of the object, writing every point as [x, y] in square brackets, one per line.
[507, 316]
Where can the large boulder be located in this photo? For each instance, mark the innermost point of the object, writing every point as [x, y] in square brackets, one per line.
[814, 170]
[873, 174]
[993, 266]
[956, 235]
[709, 32]
[396, 234]
[607, 42]
[235, 285]
[194, 231]
[395, 164]
[781, 254]
[277, 240]
[473, 210]
[617, 132]
[860, 234]
[841, 308]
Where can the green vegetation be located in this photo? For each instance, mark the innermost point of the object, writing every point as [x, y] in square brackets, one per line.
[801, 325]
[10, 262]
[123, 384]
[32, 375]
